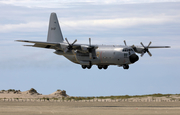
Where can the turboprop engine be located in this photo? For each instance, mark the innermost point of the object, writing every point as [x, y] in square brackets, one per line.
[142, 50]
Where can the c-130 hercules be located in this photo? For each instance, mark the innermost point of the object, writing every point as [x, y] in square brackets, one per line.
[86, 54]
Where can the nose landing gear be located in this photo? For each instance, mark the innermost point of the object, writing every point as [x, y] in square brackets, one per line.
[126, 66]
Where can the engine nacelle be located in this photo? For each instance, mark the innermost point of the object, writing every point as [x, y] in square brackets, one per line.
[138, 49]
[84, 48]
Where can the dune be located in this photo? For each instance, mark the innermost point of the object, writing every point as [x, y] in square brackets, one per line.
[32, 93]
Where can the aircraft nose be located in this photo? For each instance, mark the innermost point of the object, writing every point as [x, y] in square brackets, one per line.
[133, 58]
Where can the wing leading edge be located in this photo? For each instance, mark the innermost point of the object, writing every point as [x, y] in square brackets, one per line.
[58, 46]
[49, 45]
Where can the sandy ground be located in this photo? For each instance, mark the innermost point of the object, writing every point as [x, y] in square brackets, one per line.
[89, 108]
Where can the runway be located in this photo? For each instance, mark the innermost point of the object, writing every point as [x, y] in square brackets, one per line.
[89, 108]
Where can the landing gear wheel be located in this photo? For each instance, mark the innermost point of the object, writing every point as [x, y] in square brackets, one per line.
[126, 66]
[105, 67]
[83, 66]
[100, 67]
[89, 66]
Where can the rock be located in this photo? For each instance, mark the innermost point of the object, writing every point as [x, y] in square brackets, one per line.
[63, 93]
[17, 92]
[60, 93]
[32, 91]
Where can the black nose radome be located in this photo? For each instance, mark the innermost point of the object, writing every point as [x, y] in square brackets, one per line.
[133, 58]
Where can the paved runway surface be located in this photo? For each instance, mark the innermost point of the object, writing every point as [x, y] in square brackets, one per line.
[89, 108]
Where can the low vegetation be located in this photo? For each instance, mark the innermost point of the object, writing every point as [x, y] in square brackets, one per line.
[10, 90]
[120, 97]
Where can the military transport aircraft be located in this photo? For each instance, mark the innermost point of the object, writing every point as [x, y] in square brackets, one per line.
[87, 54]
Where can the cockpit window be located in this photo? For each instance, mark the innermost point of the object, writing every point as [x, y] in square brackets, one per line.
[127, 50]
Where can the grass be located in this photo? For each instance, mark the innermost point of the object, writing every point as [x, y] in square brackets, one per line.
[120, 97]
[113, 97]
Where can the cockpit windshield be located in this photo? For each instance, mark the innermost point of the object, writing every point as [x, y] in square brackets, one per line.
[127, 50]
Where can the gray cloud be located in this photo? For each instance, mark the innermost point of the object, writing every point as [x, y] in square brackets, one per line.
[64, 3]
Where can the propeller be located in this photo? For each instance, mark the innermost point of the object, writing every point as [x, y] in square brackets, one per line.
[90, 49]
[146, 49]
[70, 46]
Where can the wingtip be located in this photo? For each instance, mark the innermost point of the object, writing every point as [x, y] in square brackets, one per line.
[18, 40]
[21, 40]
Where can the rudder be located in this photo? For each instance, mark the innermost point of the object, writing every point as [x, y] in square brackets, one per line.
[54, 31]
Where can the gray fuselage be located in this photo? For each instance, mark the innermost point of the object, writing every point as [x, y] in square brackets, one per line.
[103, 55]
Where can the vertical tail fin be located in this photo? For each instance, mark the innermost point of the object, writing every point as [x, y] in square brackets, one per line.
[54, 32]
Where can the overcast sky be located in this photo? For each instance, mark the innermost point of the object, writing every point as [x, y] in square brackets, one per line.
[106, 22]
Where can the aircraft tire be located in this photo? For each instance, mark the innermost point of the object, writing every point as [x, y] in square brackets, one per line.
[126, 66]
[99, 67]
[83, 66]
[105, 67]
[89, 66]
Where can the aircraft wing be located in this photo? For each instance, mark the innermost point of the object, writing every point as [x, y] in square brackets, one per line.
[49, 45]
[159, 46]
[143, 49]
[57, 46]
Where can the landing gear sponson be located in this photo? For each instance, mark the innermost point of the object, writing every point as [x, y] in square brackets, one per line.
[102, 66]
[99, 66]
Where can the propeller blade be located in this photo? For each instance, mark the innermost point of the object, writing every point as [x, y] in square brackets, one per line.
[90, 42]
[149, 53]
[90, 55]
[125, 43]
[67, 41]
[74, 42]
[90, 49]
[149, 44]
[142, 54]
[142, 44]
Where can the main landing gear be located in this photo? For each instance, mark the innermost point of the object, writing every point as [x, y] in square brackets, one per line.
[99, 66]
[125, 66]
[103, 66]
[86, 66]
